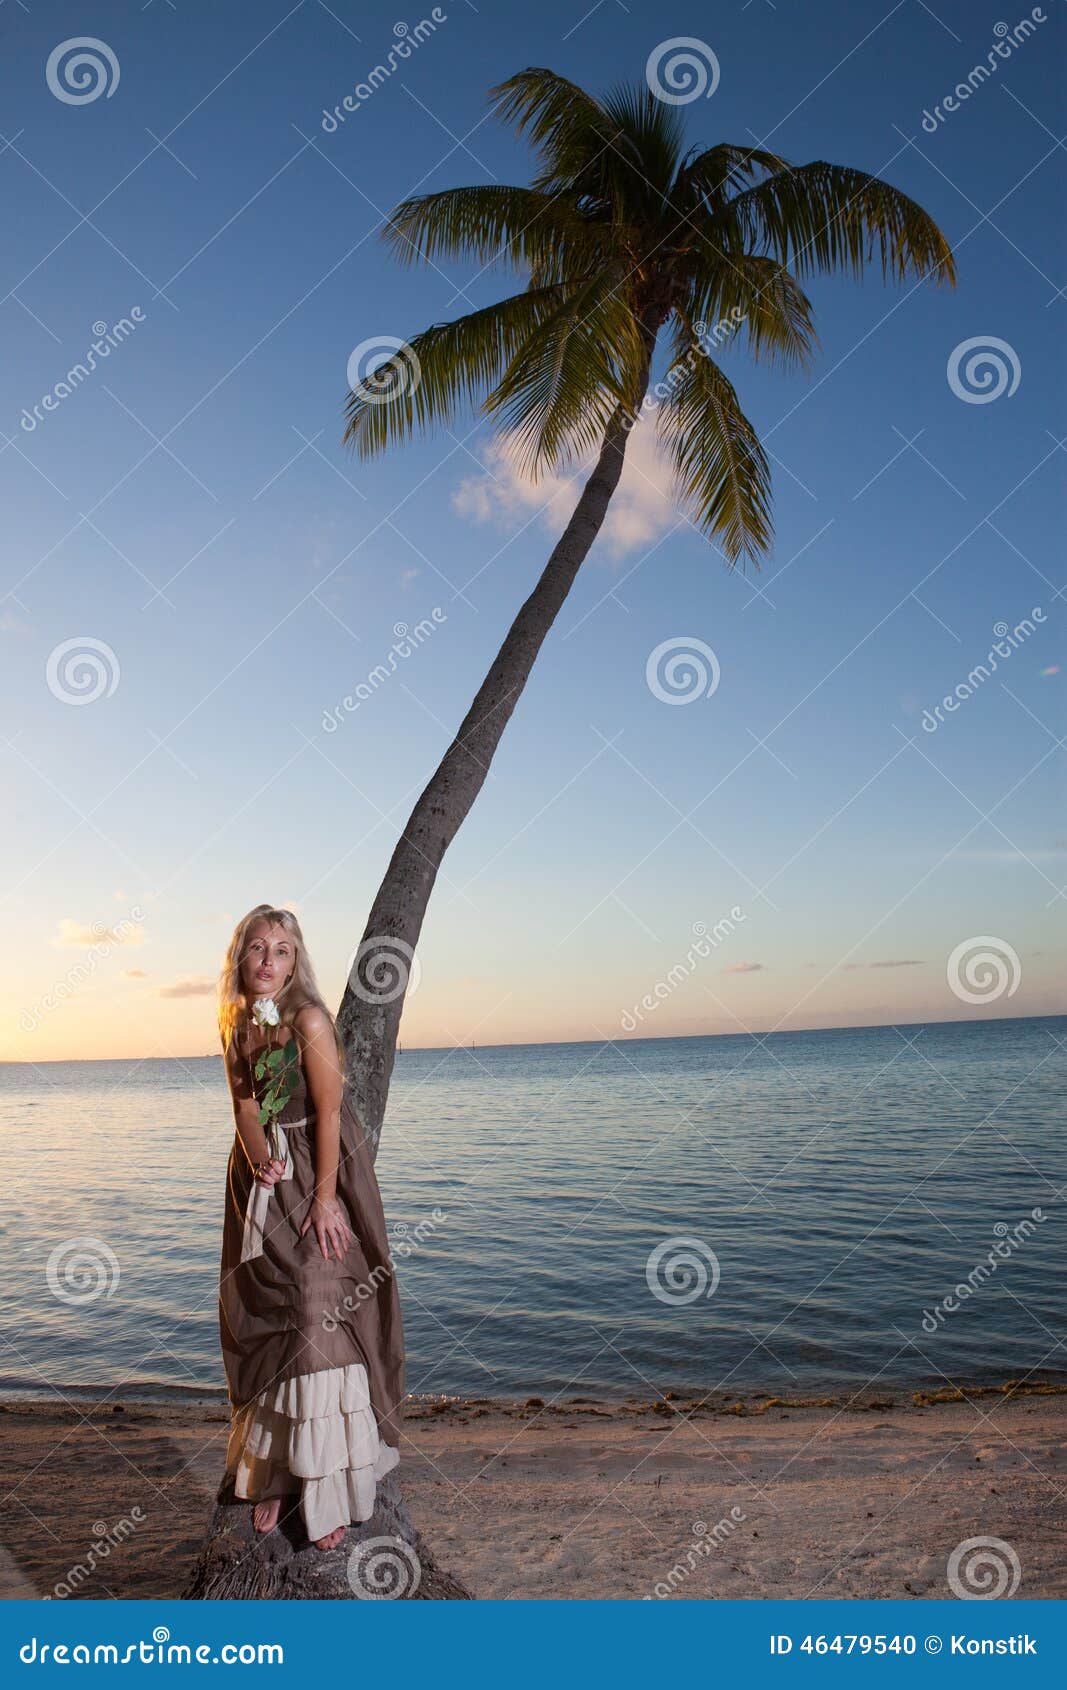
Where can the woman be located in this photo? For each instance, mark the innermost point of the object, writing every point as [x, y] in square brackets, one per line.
[309, 1311]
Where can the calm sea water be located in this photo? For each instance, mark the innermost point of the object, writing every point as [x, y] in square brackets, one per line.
[826, 1189]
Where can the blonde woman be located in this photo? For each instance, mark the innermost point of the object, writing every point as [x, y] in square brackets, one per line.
[309, 1312]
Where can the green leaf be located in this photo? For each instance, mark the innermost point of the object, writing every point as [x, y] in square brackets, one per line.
[726, 169]
[821, 217]
[721, 470]
[447, 366]
[560, 391]
[275, 1060]
[516, 227]
[756, 295]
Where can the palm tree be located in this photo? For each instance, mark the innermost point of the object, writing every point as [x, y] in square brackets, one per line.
[622, 235]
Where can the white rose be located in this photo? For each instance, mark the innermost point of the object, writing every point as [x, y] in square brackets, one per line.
[265, 1012]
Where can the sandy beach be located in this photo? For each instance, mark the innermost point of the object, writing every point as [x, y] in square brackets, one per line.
[752, 1497]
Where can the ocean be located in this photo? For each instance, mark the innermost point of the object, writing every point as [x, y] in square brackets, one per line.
[860, 1208]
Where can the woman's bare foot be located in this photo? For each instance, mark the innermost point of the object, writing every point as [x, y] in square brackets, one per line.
[331, 1540]
[265, 1514]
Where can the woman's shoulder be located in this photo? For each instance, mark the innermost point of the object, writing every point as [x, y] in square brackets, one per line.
[311, 1020]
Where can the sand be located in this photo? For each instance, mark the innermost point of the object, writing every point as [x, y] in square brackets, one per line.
[584, 1499]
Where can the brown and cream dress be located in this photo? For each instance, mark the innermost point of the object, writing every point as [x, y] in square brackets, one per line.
[314, 1350]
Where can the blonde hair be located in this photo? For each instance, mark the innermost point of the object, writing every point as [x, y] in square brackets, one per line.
[300, 990]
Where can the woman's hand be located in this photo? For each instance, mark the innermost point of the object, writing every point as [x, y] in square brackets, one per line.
[331, 1226]
[269, 1173]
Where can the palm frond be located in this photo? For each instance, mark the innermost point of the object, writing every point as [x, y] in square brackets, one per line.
[569, 377]
[830, 217]
[567, 126]
[444, 367]
[614, 159]
[721, 471]
[518, 226]
[649, 142]
[731, 293]
[720, 172]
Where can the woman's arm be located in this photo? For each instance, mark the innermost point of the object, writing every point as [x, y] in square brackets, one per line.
[322, 1071]
[250, 1135]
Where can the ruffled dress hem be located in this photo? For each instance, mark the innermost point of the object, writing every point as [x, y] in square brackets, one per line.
[316, 1433]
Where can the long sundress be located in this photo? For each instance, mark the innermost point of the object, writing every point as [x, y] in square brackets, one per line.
[314, 1350]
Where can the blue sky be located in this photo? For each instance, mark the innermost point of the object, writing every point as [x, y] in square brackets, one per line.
[191, 507]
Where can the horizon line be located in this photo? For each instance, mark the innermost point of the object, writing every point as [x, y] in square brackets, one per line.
[540, 1044]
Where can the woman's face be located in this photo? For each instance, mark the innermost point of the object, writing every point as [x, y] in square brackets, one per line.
[268, 961]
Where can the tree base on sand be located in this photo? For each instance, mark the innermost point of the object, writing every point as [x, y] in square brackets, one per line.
[381, 1558]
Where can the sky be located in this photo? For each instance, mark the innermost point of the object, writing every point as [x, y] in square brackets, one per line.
[778, 830]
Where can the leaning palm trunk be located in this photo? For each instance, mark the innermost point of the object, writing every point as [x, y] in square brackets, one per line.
[369, 1016]
[622, 232]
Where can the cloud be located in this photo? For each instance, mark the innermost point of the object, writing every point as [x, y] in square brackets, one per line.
[904, 962]
[133, 974]
[191, 986]
[80, 936]
[641, 510]
[744, 968]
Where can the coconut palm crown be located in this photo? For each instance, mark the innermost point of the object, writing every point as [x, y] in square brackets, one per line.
[624, 233]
